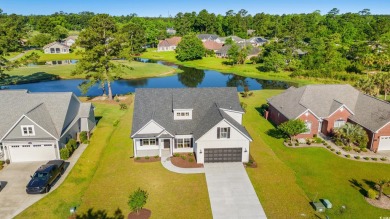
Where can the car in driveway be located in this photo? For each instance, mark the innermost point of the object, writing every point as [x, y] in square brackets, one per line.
[45, 176]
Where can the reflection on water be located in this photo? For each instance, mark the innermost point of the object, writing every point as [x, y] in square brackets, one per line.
[190, 77]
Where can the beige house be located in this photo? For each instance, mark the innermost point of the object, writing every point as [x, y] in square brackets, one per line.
[70, 40]
[168, 44]
[56, 48]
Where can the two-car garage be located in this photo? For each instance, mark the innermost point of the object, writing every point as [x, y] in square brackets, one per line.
[30, 152]
[218, 155]
[384, 143]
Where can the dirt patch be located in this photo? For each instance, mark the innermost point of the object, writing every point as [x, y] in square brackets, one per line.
[185, 160]
[384, 203]
[252, 163]
[142, 214]
[147, 159]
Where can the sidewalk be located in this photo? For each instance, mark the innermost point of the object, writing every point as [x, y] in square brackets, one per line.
[166, 162]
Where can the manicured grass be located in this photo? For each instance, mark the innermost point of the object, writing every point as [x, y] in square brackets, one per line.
[49, 72]
[246, 70]
[105, 175]
[287, 179]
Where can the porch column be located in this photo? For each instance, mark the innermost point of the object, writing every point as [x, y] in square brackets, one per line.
[134, 148]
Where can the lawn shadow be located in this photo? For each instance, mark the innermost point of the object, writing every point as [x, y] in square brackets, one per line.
[36, 77]
[262, 68]
[99, 214]
[357, 185]
[97, 119]
[370, 183]
[275, 133]
[227, 63]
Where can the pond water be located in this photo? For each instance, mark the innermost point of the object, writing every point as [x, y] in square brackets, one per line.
[190, 77]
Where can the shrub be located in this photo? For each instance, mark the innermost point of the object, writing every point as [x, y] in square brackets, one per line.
[296, 144]
[156, 156]
[357, 149]
[64, 153]
[318, 140]
[383, 158]
[366, 158]
[7, 161]
[325, 143]
[147, 157]
[374, 158]
[138, 158]
[338, 152]
[338, 142]
[347, 148]
[116, 98]
[191, 159]
[122, 106]
[364, 149]
[115, 123]
[69, 148]
[315, 136]
[176, 154]
[372, 194]
[243, 106]
[183, 157]
[83, 137]
[328, 146]
[332, 149]
[190, 154]
[347, 156]
[2, 163]
[357, 157]
[137, 200]
[73, 144]
[290, 144]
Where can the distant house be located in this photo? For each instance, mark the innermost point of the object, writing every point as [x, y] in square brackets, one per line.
[212, 45]
[257, 41]
[235, 39]
[250, 32]
[206, 37]
[70, 40]
[171, 31]
[56, 48]
[299, 52]
[223, 52]
[168, 44]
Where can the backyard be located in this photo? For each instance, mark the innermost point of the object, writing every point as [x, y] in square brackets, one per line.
[286, 179]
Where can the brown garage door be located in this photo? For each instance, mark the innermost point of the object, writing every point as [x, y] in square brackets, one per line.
[217, 155]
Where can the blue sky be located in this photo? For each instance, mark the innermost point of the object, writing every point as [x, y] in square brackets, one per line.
[172, 7]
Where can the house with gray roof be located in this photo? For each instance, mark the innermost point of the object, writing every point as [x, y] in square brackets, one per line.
[257, 41]
[203, 121]
[35, 126]
[325, 107]
[206, 37]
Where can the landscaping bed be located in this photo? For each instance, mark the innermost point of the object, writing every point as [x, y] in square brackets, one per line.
[147, 159]
[185, 160]
[384, 203]
[252, 163]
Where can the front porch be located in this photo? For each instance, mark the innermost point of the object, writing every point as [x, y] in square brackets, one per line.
[165, 146]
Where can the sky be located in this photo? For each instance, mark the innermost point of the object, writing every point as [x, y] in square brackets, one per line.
[155, 8]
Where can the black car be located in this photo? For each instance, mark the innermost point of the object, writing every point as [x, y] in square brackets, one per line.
[44, 177]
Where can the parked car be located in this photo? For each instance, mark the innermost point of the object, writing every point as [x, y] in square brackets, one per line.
[44, 177]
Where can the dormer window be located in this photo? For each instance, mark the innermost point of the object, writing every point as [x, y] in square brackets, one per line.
[182, 114]
[28, 130]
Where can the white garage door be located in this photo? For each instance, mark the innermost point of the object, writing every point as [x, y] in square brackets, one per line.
[384, 143]
[31, 152]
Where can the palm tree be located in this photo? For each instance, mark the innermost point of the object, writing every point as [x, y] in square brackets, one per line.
[368, 86]
[352, 134]
[383, 82]
[368, 61]
[381, 184]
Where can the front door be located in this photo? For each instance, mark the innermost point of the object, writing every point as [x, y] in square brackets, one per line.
[166, 144]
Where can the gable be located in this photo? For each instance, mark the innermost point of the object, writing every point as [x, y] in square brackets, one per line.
[16, 131]
[212, 133]
[150, 127]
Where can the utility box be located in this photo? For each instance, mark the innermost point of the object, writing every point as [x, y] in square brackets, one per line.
[319, 207]
[326, 203]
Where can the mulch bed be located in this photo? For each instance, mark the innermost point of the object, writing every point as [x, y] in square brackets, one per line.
[144, 160]
[142, 214]
[183, 161]
[384, 203]
[252, 164]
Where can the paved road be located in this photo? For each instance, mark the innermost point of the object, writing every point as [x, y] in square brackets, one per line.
[13, 197]
[231, 193]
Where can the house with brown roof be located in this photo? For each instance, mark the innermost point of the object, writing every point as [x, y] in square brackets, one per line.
[56, 48]
[212, 45]
[325, 107]
[168, 44]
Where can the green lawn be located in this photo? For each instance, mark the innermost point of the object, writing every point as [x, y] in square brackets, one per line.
[246, 70]
[288, 178]
[106, 174]
[50, 72]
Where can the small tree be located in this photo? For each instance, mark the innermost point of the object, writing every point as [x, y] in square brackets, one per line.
[274, 61]
[351, 134]
[190, 48]
[293, 128]
[137, 200]
[381, 184]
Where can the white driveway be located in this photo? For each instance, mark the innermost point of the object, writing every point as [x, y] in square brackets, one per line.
[231, 193]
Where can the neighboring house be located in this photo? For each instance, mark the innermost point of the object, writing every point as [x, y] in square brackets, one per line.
[235, 39]
[70, 40]
[250, 32]
[171, 31]
[299, 52]
[35, 126]
[203, 121]
[56, 48]
[325, 107]
[212, 45]
[168, 44]
[223, 52]
[257, 41]
[206, 37]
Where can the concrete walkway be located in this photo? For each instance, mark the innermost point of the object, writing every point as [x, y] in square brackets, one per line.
[166, 162]
[13, 197]
[231, 193]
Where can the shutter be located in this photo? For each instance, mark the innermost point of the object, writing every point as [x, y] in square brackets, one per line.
[228, 134]
[218, 133]
[140, 142]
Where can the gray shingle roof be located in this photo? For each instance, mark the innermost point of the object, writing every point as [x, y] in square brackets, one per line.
[52, 111]
[207, 36]
[323, 100]
[158, 105]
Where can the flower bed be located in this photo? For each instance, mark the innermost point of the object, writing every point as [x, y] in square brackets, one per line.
[147, 159]
[185, 160]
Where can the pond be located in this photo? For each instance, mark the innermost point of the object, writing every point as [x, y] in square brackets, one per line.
[190, 77]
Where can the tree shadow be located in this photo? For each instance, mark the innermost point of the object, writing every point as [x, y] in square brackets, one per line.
[276, 133]
[97, 119]
[357, 185]
[227, 63]
[100, 214]
[262, 68]
[370, 183]
[24, 79]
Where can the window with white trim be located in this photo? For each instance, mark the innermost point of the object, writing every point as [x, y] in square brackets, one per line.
[148, 142]
[308, 127]
[339, 123]
[183, 143]
[223, 132]
[28, 130]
